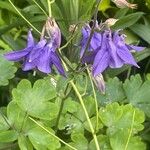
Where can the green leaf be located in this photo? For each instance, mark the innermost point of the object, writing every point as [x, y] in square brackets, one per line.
[70, 106]
[32, 9]
[3, 123]
[114, 92]
[35, 101]
[119, 139]
[138, 93]
[127, 21]
[8, 6]
[8, 136]
[70, 12]
[104, 5]
[4, 45]
[7, 71]
[94, 122]
[142, 31]
[90, 106]
[18, 118]
[103, 141]
[70, 123]
[24, 143]
[117, 117]
[39, 137]
[122, 123]
[79, 141]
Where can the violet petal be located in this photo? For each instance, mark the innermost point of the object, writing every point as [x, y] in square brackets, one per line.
[137, 48]
[30, 39]
[44, 61]
[36, 50]
[126, 56]
[17, 55]
[56, 61]
[102, 64]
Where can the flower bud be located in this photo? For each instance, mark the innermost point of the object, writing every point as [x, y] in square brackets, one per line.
[111, 21]
[53, 31]
[100, 83]
[124, 4]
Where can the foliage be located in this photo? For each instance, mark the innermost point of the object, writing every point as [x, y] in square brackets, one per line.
[48, 111]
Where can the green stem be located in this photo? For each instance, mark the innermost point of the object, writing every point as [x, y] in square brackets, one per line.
[24, 17]
[82, 103]
[86, 114]
[129, 72]
[49, 7]
[52, 134]
[131, 130]
[40, 8]
[95, 98]
[61, 107]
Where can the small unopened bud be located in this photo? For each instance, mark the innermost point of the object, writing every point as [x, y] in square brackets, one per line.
[73, 28]
[111, 21]
[124, 4]
[53, 31]
[100, 83]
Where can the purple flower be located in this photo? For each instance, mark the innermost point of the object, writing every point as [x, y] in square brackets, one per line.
[41, 55]
[95, 40]
[107, 49]
[113, 53]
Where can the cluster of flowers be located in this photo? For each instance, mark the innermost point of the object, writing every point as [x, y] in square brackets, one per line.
[105, 49]
[41, 55]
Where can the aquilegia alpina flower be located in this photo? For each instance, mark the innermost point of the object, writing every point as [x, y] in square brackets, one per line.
[113, 53]
[124, 4]
[95, 41]
[41, 55]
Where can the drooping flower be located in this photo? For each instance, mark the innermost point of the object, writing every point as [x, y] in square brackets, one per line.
[113, 53]
[42, 55]
[124, 4]
[95, 41]
[100, 83]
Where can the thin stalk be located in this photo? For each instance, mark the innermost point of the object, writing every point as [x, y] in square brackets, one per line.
[129, 72]
[40, 8]
[86, 114]
[95, 98]
[49, 8]
[82, 104]
[131, 130]
[49, 2]
[61, 107]
[59, 113]
[52, 134]
[24, 17]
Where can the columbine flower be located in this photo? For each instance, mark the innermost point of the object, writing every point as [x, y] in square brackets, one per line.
[42, 55]
[113, 53]
[124, 4]
[95, 40]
